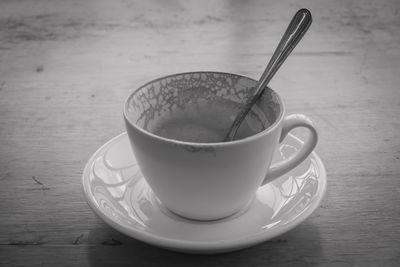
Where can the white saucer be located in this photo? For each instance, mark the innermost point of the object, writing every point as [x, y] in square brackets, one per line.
[115, 189]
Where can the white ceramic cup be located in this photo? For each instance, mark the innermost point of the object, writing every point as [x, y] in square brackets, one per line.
[209, 181]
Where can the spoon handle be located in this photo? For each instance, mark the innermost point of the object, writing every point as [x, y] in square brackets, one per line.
[294, 32]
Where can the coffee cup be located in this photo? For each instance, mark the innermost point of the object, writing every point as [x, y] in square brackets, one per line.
[176, 126]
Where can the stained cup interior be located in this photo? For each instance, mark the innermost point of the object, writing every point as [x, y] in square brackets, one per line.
[214, 99]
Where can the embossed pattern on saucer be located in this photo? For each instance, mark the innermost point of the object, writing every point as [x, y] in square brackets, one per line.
[116, 190]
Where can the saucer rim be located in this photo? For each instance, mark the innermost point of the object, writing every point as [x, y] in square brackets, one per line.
[204, 247]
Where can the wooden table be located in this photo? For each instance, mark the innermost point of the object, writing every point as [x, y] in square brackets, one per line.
[67, 66]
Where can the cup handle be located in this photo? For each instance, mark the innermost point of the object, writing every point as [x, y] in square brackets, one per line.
[289, 123]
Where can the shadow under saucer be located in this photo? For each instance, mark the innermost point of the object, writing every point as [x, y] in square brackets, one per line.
[298, 247]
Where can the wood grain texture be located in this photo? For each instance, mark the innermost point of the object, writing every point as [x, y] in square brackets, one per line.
[67, 66]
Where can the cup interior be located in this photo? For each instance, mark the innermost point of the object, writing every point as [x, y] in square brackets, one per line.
[198, 98]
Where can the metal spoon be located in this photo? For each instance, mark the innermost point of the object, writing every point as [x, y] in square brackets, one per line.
[294, 32]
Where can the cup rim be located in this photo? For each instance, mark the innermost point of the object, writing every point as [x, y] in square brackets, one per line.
[212, 144]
